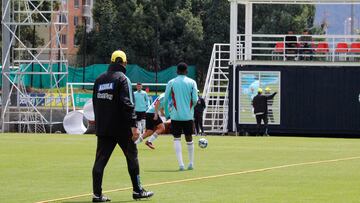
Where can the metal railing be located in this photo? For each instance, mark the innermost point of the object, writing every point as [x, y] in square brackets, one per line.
[215, 92]
[325, 48]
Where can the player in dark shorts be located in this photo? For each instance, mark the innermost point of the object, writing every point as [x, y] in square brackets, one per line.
[154, 124]
[182, 92]
[140, 115]
[141, 105]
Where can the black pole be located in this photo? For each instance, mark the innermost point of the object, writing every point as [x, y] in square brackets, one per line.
[156, 76]
[84, 51]
[59, 64]
[157, 46]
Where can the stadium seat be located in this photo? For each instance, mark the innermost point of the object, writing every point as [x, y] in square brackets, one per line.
[341, 51]
[355, 47]
[279, 50]
[279, 47]
[341, 47]
[354, 50]
[322, 49]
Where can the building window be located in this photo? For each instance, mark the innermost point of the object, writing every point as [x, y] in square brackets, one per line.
[62, 18]
[88, 21]
[86, 2]
[249, 83]
[76, 4]
[63, 39]
[76, 21]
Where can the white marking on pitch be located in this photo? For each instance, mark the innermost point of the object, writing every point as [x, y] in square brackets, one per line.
[209, 177]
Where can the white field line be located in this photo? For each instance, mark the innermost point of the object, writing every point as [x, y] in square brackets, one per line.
[210, 177]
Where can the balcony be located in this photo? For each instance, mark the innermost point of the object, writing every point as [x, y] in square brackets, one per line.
[87, 11]
[298, 49]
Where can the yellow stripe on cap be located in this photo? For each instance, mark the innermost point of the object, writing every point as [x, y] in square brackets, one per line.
[118, 54]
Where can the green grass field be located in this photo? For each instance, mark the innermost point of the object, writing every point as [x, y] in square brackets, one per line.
[35, 168]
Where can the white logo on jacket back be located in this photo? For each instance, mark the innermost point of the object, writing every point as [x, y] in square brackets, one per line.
[106, 86]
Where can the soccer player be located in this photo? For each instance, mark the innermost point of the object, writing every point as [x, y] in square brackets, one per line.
[115, 125]
[154, 124]
[182, 91]
[141, 104]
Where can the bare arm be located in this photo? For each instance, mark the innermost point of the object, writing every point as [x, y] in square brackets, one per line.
[157, 104]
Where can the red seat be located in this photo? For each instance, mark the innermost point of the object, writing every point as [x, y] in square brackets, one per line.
[341, 47]
[323, 47]
[279, 47]
[355, 47]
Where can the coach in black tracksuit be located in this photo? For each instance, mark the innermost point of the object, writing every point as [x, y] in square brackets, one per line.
[115, 125]
[198, 114]
[260, 104]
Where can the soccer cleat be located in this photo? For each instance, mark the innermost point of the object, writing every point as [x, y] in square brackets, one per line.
[190, 167]
[142, 194]
[100, 199]
[149, 144]
[181, 168]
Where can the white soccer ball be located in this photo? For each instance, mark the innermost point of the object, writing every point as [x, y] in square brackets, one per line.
[203, 143]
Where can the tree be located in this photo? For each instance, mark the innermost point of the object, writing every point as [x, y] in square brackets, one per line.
[104, 41]
[160, 33]
[279, 19]
[216, 23]
[183, 43]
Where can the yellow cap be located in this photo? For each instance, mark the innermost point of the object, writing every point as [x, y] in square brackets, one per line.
[267, 89]
[260, 90]
[118, 54]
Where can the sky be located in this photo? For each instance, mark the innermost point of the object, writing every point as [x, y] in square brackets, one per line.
[336, 16]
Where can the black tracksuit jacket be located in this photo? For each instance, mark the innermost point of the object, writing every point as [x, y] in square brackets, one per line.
[113, 102]
[260, 103]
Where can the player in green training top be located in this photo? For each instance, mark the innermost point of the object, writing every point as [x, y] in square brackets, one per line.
[182, 91]
[141, 105]
[154, 124]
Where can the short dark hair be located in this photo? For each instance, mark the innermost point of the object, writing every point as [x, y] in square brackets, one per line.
[139, 83]
[182, 67]
[119, 60]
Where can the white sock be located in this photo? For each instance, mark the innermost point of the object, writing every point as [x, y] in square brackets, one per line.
[178, 151]
[139, 126]
[153, 137]
[139, 140]
[143, 126]
[190, 146]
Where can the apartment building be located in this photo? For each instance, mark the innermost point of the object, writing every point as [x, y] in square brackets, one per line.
[79, 13]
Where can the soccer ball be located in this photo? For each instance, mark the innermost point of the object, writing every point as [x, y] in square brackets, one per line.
[203, 143]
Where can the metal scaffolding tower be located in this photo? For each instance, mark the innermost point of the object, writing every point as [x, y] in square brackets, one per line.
[45, 47]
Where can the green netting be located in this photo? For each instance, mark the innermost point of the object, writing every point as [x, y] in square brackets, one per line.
[134, 72]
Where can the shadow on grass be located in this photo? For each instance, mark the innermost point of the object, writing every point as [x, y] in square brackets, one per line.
[111, 201]
[164, 171]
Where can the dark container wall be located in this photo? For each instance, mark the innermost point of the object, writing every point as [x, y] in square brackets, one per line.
[315, 100]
